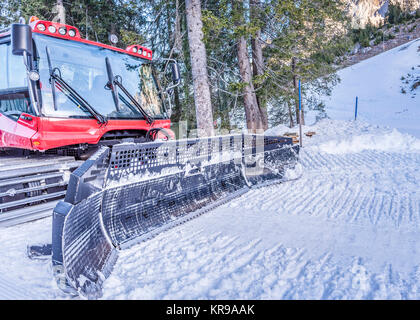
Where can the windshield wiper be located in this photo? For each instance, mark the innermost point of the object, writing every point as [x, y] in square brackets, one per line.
[117, 81]
[75, 97]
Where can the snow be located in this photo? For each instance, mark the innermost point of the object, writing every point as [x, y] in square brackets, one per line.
[22, 278]
[131, 178]
[377, 82]
[346, 229]
[345, 226]
[353, 136]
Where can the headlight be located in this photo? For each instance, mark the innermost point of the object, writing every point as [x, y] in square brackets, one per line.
[52, 29]
[40, 27]
[62, 31]
[72, 33]
[33, 75]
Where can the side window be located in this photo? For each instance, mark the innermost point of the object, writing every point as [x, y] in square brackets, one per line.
[17, 70]
[13, 104]
[3, 66]
[14, 95]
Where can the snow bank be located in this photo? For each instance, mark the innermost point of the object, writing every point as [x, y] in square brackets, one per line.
[394, 141]
[278, 130]
[338, 136]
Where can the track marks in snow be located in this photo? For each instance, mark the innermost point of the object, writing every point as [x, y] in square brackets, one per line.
[185, 269]
[370, 187]
[221, 267]
[350, 224]
[353, 220]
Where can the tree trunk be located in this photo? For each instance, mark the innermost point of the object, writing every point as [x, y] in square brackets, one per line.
[202, 97]
[295, 86]
[223, 105]
[176, 116]
[177, 32]
[258, 63]
[291, 124]
[61, 12]
[176, 52]
[252, 112]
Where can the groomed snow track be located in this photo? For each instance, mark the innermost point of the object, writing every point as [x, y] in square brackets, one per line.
[348, 229]
[9, 291]
[357, 187]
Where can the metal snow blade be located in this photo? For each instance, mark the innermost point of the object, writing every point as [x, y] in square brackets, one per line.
[266, 158]
[129, 194]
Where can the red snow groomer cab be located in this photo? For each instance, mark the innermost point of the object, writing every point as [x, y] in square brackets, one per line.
[65, 94]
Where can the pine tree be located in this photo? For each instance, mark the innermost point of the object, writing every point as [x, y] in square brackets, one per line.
[304, 36]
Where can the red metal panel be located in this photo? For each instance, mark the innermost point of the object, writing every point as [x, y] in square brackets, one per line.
[17, 134]
[26, 127]
[35, 133]
[7, 128]
[79, 39]
[57, 132]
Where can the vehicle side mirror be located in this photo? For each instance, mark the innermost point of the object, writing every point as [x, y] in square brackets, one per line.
[176, 77]
[21, 39]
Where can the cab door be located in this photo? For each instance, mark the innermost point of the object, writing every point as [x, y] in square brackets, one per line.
[17, 121]
[7, 129]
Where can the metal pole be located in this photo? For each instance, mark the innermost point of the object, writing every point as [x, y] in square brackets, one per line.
[300, 115]
[355, 109]
[28, 66]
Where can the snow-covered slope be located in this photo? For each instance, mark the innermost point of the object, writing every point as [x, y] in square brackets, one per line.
[347, 229]
[378, 84]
